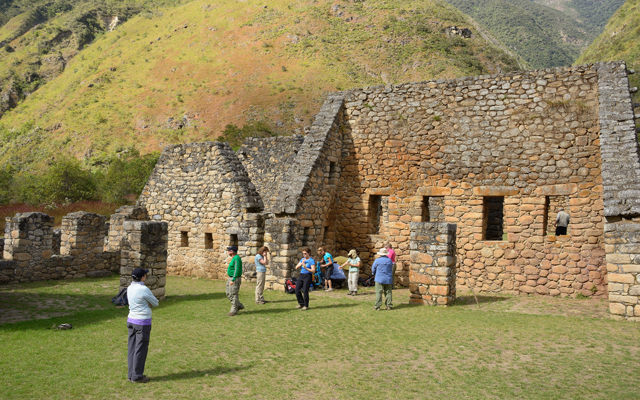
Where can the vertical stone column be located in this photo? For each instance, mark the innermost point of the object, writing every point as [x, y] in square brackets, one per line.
[279, 237]
[28, 243]
[432, 279]
[145, 246]
[254, 225]
[622, 244]
[116, 231]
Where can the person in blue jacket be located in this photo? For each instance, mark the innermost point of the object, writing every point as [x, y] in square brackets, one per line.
[383, 270]
[139, 324]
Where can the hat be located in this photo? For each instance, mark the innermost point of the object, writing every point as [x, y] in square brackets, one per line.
[233, 248]
[383, 252]
[352, 253]
[139, 273]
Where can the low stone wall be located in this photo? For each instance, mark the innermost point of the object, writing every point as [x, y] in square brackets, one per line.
[145, 246]
[30, 254]
[116, 231]
[623, 266]
[432, 279]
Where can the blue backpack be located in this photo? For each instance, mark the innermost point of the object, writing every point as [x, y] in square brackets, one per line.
[121, 298]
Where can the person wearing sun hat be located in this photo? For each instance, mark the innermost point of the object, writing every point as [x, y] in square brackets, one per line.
[354, 272]
[139, 324]
[235, 280]
[382, 268]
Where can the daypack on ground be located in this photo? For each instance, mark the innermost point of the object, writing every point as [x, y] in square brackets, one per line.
[367, 282]
[289, 286]
[121, 298]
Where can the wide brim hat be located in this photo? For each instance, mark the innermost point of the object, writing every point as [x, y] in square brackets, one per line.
[352, 253]
[383, 252]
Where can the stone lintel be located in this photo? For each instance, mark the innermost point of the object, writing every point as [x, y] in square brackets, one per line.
[557, 190]
[433, 191]
[495, 191]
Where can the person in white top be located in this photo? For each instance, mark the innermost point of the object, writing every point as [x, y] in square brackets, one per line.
[354, 272]
[139, 324]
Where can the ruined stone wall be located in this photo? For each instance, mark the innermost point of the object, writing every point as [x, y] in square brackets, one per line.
[116, 225]
[29, 254]
[306, 198]
[204, 194]
[144, 245]
[525, 137]
[623, 265]
[266, 160]
[433, 263]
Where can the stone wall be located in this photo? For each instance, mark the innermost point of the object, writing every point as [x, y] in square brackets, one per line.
[205, 195]
[265, 160]
[29, 254]
[144, 245]
[433, 263]
[116, 222]
[524, 137]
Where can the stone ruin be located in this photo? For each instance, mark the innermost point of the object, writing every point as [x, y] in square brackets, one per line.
[463, 176]
[88, 246]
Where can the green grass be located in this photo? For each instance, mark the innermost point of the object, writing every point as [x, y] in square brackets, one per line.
[509, 347]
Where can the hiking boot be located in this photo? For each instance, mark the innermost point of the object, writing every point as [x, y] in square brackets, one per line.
[241, 307]
[329, 290]
[144, 379]
[350, 294]
[232, 314]
[260, 302]
[304, 308]
[376, 308]
[388, 308]
[355, 294]
[298, 306]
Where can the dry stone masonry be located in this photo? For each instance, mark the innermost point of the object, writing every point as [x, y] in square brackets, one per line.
[464, 177]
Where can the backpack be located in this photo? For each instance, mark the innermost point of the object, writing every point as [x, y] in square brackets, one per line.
[289, 286]
[367, 282]
[121, 298]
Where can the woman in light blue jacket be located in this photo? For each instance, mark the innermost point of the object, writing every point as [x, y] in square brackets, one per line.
[139, 324]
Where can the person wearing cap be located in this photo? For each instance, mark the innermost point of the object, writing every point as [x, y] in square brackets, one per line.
[261, 261]
[235, 279]
[139, 324]
[562, 222]
[383, 270]
[354, 272]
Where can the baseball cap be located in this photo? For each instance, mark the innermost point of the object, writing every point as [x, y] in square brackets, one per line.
[233, 248]
[139, 272]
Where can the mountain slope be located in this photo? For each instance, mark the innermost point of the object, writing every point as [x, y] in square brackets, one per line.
[593, 13]
[619, 41]
[183, 73]
[544, 37]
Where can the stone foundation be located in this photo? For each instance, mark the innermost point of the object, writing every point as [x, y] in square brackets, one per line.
[623, 265]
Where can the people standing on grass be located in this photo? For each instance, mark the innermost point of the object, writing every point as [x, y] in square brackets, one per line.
[392, 257]
[382, 269]
[562, 222]
[354, 272]
[307, 267]
[235, 280]
[139, 324]
[327, 266]
[261, 260]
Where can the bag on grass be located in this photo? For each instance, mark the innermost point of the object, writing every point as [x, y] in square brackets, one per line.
[289, 286]
[121, 298]
[367, 282]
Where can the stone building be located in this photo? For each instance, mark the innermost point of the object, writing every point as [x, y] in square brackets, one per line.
[494, 155]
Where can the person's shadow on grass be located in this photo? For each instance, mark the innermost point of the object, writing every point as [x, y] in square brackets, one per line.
[200, 373]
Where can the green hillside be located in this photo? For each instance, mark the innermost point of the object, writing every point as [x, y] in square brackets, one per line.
[182, 73]
[619, 41]
[593, 13]
[544, 37]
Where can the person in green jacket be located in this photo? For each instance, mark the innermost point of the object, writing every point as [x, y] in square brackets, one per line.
[235, 279]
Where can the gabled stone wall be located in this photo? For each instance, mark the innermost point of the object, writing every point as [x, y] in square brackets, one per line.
[205, 195]
[266, 160]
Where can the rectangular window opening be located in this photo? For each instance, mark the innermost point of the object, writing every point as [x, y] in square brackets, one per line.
[375, 213]
[545, 217]
[493, 218]
[426, 216]
[208, 240]
[184, 239]
[333, 170]
[233, 239]
[306, 236]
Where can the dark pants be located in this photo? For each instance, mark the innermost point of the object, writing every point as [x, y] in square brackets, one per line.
[561, 230]
[138, 347]
[302, 285]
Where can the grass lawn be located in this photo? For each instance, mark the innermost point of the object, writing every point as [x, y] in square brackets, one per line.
[508, 347]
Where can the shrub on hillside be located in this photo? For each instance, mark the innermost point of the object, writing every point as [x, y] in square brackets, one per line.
[126, 176]
[6, 182]
[235, 136]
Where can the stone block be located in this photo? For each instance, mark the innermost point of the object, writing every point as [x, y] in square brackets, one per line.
[617, 308]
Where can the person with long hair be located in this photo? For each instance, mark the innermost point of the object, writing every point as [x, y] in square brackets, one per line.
[307, 267]
[261, 260]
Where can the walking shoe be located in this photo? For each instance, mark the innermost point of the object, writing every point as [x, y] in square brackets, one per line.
[376, 308]
[144, 379]
[298, 306]
[388, 308]
[260, 302]
[241, 307]
[304, 308]
[355, 294]
[231, 314]
[329, 290]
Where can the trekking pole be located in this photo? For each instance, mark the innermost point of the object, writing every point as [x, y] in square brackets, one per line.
[470, 287]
